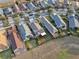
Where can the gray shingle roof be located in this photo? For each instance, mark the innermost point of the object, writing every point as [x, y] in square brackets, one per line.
[48, 25]
[31, 6]
[73, 22]
[1, 11]
[58, 21]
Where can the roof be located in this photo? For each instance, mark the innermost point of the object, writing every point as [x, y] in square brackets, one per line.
[10, 9]
[17, 38]
[31, 6]
[58, 21]
[17, 9]
[1, 24]
[43, 4]
[22, 32]
[11, 39]
[73, 22]
[48, 25]
[7, 10]
[31, 19]
[25, 7]
[3, 40]
[14, 39]
[34, 28]
[51, 1]
[1, 11]
[26, 28]
[41, 30]
[10, 20]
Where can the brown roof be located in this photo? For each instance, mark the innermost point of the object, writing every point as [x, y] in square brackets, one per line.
[3, 40]
[18, 41]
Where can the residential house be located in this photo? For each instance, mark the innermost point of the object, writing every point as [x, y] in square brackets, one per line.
[37, 29]
[3, 41]
[1, 11]
[51, 1]
[59, 22]
[31, 6]
[43, 4]
[24, 30]
[73, 22]
[16, 8]
[51, 29]
[8, 11]
[15, 41]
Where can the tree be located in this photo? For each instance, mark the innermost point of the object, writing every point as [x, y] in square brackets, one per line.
[50, 11]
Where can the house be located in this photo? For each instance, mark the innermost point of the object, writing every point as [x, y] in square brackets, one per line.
[11, 21]
[16, 8]
[1, 24]
[73, 22]
[59, 22]
[43, 4]
[31, 17]
[8, 11]
[24, 30]
[24, 6]
[3, 41]
[15, 41]
[51, 29]
[51, 1]
[1, 11]
[31, 6]
[41, 30]
[37, 29]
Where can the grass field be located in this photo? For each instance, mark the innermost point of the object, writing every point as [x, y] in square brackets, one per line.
[6, 54]
[63, 54]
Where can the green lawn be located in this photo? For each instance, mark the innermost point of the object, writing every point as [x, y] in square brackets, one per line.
[64, 18]
[50, 19]
[6, 23]
[34, 43]
[16, 19]
[6, 54]
[63, 54]
[41, 40]
[28, 45]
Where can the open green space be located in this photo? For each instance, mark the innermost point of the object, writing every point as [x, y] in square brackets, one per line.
[63, 54]
[6, 54]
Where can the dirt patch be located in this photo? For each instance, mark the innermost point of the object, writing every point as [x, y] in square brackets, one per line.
[54, 50]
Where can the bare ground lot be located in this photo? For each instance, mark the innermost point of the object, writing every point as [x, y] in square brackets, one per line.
[62, 48]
